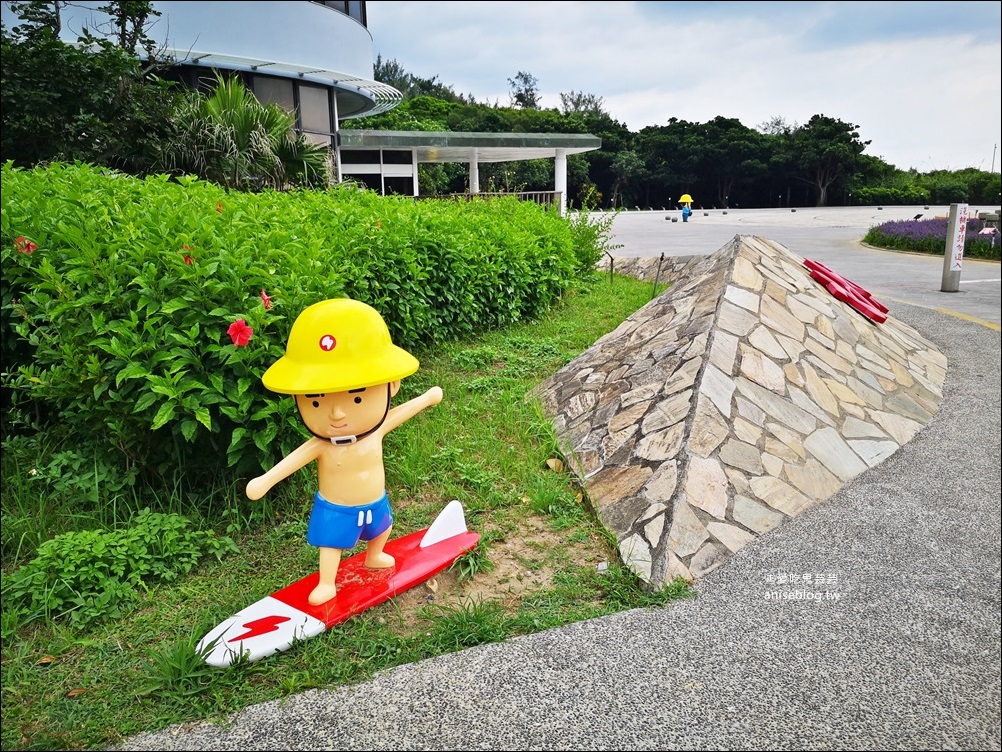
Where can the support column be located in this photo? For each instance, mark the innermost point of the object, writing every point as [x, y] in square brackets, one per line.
[560, 179]
[474, 171]
[414, 164]
[338, 176]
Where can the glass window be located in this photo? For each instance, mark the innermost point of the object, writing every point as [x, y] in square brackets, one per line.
[353, 8]
[396, 157]
[359, 156]
[269, 90]
[317, 138]
[398, 185]
[369, 181]
[315, 109]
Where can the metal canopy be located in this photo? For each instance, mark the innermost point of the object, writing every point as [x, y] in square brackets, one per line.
[434, 146]
[357, 97]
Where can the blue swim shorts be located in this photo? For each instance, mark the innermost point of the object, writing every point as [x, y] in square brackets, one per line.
[342, 526]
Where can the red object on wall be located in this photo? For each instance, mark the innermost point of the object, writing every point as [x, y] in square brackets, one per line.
[848, 292]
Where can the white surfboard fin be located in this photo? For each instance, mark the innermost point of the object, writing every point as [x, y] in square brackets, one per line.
[450, 521]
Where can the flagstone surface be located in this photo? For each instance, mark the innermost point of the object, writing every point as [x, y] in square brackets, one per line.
[737, 399]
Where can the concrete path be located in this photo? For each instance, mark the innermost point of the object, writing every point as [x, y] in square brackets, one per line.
[893, 643]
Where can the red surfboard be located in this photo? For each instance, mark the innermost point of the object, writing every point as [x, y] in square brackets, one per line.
[278, 621]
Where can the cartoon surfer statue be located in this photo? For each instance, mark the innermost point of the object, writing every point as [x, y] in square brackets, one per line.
[343, 370]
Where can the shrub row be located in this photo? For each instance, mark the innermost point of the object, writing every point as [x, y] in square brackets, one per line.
[119, 294]
[891, 196]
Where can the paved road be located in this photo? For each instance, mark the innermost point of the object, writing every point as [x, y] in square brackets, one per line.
[904, 653]
[832, 236]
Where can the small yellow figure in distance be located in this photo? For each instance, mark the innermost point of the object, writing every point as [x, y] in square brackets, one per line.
[686, 200]
[343, 370]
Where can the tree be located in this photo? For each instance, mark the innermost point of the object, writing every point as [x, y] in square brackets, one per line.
[775, 126]
[579, 103]
[671, 155]
[424, 113]
[38, 18]
[824, 151]
[731, 155]
[524, 91]
[91, 102]
[982, 187]
[128, 21]
[626, 166]
[392, 73]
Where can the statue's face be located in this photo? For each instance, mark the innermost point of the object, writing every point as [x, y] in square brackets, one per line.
[339, 414]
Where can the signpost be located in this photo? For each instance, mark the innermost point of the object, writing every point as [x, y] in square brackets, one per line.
[953, 256]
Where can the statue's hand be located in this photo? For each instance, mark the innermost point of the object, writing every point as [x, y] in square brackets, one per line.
[256, 488]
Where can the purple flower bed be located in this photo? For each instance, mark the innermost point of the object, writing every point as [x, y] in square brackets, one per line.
[929, 236]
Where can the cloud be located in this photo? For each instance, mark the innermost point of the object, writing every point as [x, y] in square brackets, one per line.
[920, 79]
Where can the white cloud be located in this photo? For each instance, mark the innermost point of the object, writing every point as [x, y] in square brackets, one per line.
[920, 79]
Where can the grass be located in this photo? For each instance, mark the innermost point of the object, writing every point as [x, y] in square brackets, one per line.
[543, 560]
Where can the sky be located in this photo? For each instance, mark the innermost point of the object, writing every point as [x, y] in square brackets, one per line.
[919, 79]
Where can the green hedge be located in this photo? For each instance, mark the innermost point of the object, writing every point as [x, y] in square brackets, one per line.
[117, 295]
[891, 196]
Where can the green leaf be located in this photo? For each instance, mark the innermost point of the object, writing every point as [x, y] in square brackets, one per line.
[144, 402]
[175, 305]
[204, 417]
[164, 414]
[133, 370]
[237, 439]
[243, 385]
[263, 439]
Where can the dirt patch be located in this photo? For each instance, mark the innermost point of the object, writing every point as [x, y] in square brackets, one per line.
[521, 564]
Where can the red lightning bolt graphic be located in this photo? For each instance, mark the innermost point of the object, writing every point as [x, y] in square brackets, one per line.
[260, 627]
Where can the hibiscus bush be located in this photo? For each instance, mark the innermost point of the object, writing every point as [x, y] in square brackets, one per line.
[142, 312]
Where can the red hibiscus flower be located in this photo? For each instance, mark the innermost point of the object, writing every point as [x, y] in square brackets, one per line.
[24, 245]
[240, 333]
[266, 299]
[188, 258]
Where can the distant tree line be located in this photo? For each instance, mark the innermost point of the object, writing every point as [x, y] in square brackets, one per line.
[721, 163]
